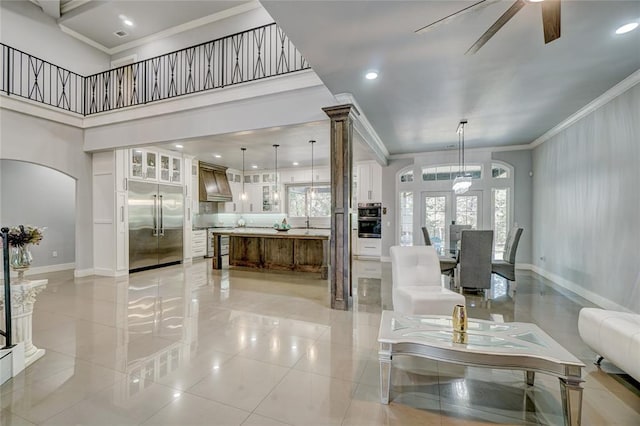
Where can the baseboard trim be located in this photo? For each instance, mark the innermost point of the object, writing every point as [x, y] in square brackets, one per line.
[44, 269]
[79, 273]
[603, 302]
[104, 272]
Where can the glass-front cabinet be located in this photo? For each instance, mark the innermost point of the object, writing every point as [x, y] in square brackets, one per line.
[154, 166]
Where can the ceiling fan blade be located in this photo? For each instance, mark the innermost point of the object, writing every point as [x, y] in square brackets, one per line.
[474, 7]
[551, 20]
[493, 29]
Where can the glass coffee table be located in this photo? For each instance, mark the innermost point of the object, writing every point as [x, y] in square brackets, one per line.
[514, 346]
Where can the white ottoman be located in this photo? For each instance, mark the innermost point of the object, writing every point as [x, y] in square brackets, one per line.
[425, 300]
[613, 335]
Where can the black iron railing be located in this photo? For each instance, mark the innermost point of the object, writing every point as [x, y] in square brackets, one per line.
[7, 290]
[239, 58]
[29, 77]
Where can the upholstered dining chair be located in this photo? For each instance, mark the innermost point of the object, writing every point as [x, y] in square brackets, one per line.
[425, 234]
[506, 267]
[474, 259]
[417, 285]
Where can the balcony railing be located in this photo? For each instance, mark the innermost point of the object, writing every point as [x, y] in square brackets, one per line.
[239, 58]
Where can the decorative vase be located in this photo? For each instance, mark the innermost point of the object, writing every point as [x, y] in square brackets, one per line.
[460, 319]
[20, 260]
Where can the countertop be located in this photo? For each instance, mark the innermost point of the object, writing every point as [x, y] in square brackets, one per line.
[291, 233]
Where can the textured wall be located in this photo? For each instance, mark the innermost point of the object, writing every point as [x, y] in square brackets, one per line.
[586, 201]
[35, 195]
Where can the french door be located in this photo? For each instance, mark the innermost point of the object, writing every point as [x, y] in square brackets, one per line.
[439, 209]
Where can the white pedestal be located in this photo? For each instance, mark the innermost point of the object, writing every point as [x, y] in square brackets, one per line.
[23, 297]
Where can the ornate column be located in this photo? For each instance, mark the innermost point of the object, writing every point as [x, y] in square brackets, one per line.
[341, 182]
[23, 297]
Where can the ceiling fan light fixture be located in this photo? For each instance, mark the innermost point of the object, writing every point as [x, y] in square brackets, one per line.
[627, 28]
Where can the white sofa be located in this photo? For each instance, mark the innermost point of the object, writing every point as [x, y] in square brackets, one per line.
[613, 335]
[417, 288]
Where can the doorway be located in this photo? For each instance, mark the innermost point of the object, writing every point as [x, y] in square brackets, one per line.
[439, 209]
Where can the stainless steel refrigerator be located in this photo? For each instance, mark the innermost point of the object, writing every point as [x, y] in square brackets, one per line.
[156, 216]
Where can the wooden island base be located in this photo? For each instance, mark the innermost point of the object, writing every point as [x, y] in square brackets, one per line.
[281, 251]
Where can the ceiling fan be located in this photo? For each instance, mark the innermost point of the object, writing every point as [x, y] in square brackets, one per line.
[550, 20]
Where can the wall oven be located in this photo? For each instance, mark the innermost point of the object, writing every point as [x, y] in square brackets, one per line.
[369, 220]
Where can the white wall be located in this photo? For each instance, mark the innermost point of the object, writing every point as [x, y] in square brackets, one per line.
[586, 203]
[54, 145]
[244, 21]
[39, 196]
[24, 26]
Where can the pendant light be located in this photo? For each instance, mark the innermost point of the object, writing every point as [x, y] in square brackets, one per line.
[313, 190]
[275, 192]
[243, 195]
[462, 182]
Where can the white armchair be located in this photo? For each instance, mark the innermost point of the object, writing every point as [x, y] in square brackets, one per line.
[417, 288]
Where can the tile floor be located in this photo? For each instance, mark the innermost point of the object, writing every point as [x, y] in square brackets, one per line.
[186, 345]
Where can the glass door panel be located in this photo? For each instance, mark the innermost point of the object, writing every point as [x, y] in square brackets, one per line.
[440, 209]
[436, 212]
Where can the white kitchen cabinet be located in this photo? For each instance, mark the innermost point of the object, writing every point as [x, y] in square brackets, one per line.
[369, 183]
[155, 166]
[235, 205]
[369, 247]
[199, 243]
[170, 169]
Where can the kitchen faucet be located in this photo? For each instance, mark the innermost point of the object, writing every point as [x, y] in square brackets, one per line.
[307, 222]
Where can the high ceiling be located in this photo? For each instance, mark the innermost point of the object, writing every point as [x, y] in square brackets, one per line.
[513, 90]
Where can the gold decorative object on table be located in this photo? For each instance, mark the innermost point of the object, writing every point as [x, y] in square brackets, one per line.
[460, 324]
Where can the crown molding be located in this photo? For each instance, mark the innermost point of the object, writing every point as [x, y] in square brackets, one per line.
[365, 129]
[237, 10]
[601, 100]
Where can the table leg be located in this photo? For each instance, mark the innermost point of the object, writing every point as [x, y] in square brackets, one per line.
[571, 393]
[385, 372]
[530, 377]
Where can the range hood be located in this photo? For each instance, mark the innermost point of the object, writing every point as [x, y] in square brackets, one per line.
[213, 183]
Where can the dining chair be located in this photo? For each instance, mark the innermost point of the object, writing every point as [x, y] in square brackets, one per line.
[454, 235]
[425, 234]
[506, 267]
[474, 259]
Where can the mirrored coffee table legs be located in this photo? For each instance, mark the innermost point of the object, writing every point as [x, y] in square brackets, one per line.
[384, 355]
[571, 394]
[570, 389]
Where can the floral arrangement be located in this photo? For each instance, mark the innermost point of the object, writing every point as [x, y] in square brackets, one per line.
[19, 236]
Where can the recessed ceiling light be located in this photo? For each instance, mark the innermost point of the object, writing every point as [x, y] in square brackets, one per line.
[371, 75]
[127, 22]
[295, 163]
[179, 146]
[626, 28]
[254, 166]
[217, 155]
[536, 1]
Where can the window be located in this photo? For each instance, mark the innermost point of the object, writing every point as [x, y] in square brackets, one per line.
[407, 177]
[406, 218]
[500, 220]
[300, 203]
[435, 211]
[499, 172]
[467, 210]
[450, 172]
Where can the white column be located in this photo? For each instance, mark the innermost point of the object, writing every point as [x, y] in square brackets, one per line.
[23, 297]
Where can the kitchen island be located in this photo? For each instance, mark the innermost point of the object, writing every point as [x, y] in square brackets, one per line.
[304, 250]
